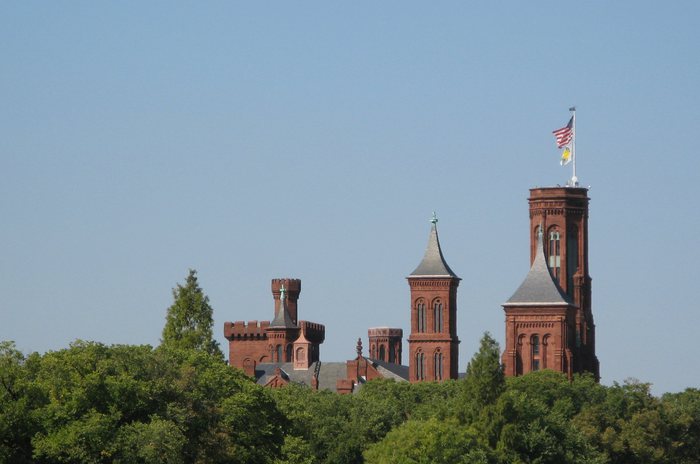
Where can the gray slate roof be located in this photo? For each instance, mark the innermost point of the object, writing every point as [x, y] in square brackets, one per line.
[539, 288]
[282, 318]
[433, 264]
[391, 370]
[328, 374]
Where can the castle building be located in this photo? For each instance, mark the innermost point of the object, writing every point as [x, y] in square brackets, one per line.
[549, 322]
[282, 340]
[433, 343]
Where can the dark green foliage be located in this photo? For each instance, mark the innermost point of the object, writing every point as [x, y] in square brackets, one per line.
[189, 321]
[92, 403]
[484, 381]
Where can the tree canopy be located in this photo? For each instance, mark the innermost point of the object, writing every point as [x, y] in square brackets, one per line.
[92, 403]
[190, 319]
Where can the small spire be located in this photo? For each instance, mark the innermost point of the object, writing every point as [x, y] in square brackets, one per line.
[433, 263]
[282, 318]
[359, 347]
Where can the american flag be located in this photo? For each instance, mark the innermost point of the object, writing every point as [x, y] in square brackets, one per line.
[565, 134]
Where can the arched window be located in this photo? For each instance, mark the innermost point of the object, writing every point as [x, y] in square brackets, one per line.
[519, 355]
[300, 354]
[420, 366]
[555, 252]
[382, 353]
[571, 258]
[543, 356]
[279, 353]
[437, 316]
[392, 353]
[420, 310]
[437, 362]
[288, 353]
[535, 350]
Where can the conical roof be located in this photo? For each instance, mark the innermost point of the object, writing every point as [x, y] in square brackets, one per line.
[539, 288]
[282, 318]
[433, 264]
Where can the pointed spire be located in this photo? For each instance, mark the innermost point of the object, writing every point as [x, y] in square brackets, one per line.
[433, 263]
[282, 318]
[539, 287]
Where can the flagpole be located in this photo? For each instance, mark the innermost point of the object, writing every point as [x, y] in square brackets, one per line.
[574, 179]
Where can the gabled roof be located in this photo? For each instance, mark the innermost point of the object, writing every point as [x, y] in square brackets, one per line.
[433, 264]
[539, 288]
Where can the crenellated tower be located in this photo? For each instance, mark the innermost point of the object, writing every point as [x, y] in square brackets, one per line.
[563, 214]
[433, 343]
[277, 341]
[549, 323]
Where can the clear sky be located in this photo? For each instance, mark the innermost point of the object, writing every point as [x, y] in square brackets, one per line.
[253, 140]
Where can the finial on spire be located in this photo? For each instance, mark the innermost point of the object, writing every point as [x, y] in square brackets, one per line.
[359, 347]
[434, 219]
[283, 293]
[540, 232]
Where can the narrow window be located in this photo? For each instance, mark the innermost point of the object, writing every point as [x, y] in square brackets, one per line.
[535, 346]
[437, 316]
[419, 366]
[555, 253]
[392, 353]
[289, 353]
[279, 353]
[421, 316]
[571, 259]
[382, 353]
[438, 365]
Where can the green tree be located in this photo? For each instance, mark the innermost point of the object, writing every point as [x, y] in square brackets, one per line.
[484, 382]
[431, 441]
[189, 321]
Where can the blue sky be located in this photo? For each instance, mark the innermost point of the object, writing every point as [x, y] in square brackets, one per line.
[314, 139]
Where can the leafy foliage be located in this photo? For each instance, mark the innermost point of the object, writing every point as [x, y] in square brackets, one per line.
[92, 403]
[189, 321]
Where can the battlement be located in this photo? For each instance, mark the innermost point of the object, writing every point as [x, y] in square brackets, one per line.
[241, 330]
[315, 333]
[384, 332]
[290, 285]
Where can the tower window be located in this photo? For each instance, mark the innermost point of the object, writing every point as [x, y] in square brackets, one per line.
[555, 253]
[420, 309]
[382, 353]
[279, 353]
[420, 366]
[437, 316]
[438, 365]
[535, 347]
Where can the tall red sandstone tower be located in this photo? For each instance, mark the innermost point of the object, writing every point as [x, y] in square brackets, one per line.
[549, 323]
[433, 343]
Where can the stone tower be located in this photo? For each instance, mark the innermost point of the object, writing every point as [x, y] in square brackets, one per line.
[433, 343]
[541, 326]
[385, 344]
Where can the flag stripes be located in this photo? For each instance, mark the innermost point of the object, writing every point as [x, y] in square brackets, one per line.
[565, 134]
